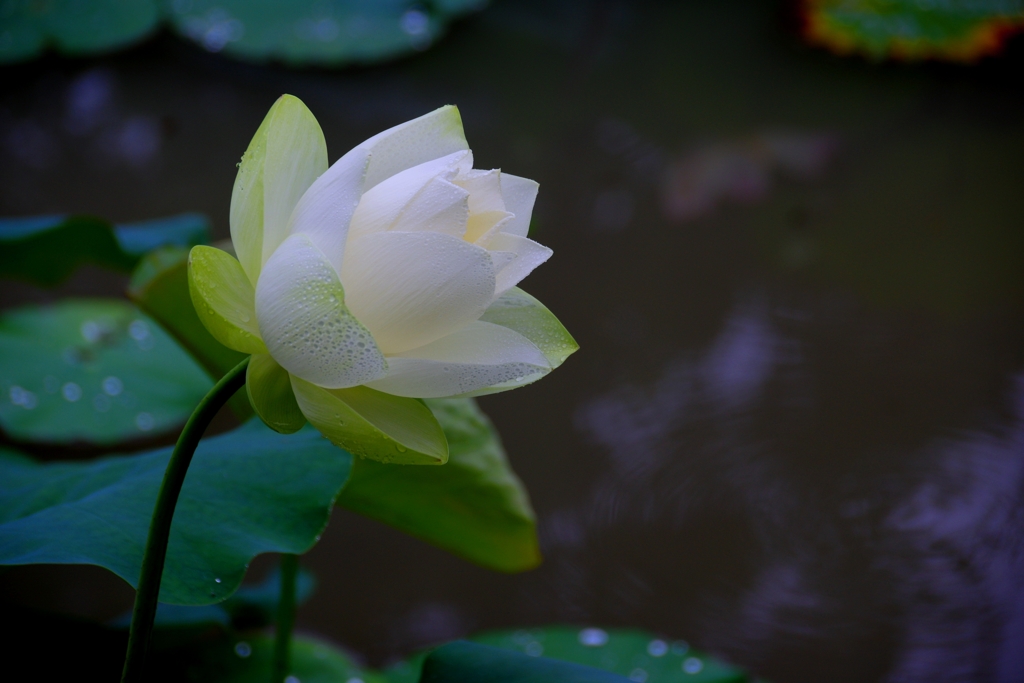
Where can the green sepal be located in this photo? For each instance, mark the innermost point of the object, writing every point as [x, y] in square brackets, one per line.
[159, 287]
[270, 393]
[375, 425]
[224, 299]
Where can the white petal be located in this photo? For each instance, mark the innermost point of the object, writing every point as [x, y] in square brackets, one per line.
[484, 190]
[474, 358]
[409, 144]
[501, 259]
[440, 206]
[296, 156]
[480, 226]
[410, 288]
[305, 324]
[519, 195]
[325, 210]
[529, 255]
[380, 207]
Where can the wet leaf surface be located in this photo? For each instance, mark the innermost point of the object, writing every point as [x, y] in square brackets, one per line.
[94, 370]
[249, 491]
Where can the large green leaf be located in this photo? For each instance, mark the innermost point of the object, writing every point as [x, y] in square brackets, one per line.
[95, 370]
[331, 32]
[473, 506]
[247, 492]
[159, 286]
[466, 662]
[635, 654]
[72, 26]
[955, 30]
[46, 249]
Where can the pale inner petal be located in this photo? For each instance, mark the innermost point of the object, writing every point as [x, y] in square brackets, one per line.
[409, 144]
[381, 206]
[529, 255]
[410, 288]
[305, 323]
[440, 206]
[484, 189]
[475, 357]
[325, 210]
[519, 195]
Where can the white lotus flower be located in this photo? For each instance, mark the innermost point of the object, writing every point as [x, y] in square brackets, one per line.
[388, 277]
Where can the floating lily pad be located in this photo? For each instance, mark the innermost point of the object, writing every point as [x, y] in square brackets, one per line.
[466, 662]
[953, 30]
[473, 506]
[636, 655]
[323, 32]
[47, 249]
[247, 492]
[243, 659]
[92, 370]
[27, 27]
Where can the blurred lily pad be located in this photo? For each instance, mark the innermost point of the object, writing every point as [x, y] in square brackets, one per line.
[242, 659]
[249, 491]
[73, 27]
[46, 249]
[321, 32]
[636, 655]
[952, 30]
[92, 370]
[473, 506]
[466, 662]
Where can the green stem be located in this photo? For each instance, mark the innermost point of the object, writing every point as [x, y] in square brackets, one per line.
[285, 618]
[146, 596]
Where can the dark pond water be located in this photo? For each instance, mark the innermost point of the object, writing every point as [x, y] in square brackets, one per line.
[794, 434]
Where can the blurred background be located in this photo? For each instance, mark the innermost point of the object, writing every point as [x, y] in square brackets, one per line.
[794, 433]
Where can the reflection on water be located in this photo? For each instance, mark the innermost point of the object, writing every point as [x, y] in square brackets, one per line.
[794, 433]
[914, 569]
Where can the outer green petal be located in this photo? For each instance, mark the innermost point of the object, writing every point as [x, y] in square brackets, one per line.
[270, 392]
[285, 156]
[409, 144]
[517, 310]
[224, 299]
[375, 425]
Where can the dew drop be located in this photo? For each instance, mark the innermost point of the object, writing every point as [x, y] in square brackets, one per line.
[112, 386]
[71, 392]
[657, 648]
[593, 637]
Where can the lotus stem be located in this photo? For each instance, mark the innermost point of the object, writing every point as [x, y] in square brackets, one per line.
[144, 611]
[285, 618]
